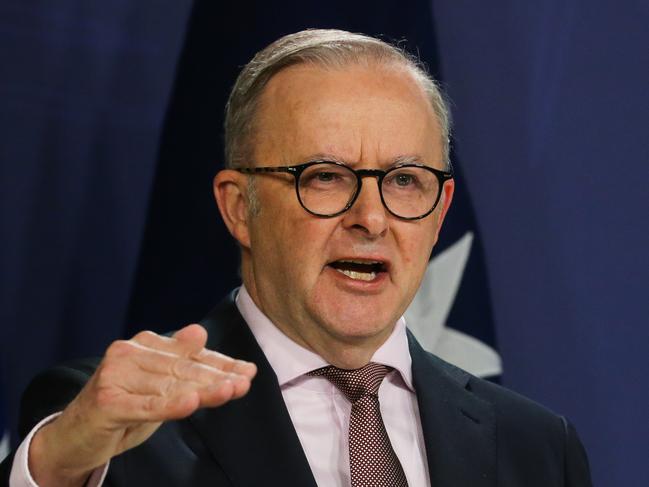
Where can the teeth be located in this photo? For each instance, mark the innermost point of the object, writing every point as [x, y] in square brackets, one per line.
[362, 276]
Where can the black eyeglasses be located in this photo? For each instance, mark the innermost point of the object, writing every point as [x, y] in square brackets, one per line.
[327, 188]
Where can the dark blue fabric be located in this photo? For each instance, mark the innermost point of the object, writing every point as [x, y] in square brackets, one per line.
[84, 89]
[552, 110]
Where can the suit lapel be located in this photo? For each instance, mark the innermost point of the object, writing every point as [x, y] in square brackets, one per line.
[459, 428]
[252, 439]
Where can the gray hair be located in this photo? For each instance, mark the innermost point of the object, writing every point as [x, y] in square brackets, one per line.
[322, 47]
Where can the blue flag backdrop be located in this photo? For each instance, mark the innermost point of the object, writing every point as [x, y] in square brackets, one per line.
[552, 111]
[110, 125]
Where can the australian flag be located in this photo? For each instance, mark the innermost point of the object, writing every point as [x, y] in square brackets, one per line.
[451, 314]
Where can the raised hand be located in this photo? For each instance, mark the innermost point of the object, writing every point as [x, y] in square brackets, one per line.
[139, 384]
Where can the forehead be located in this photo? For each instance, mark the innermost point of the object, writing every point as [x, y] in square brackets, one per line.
[359, 114]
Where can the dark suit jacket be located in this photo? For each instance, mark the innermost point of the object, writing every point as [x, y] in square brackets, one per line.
[477, 434]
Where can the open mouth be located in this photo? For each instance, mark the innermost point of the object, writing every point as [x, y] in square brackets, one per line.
[358, 269]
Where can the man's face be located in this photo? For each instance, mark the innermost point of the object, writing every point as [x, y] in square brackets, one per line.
[366, 117]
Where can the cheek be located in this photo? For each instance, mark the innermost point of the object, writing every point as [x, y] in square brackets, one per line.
[310, 238]
[416, 245]
[292, 246]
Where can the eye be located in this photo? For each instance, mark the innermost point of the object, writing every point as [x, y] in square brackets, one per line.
[404, 179]
[320, 177]
[325, 177]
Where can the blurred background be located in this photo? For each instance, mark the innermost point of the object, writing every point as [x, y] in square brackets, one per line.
[110, 134]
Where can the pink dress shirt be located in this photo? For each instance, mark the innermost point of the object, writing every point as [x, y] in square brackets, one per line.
[319, 411]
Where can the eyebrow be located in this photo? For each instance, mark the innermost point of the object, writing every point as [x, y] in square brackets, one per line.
[321, 156]
[404, 159]
[407, 160]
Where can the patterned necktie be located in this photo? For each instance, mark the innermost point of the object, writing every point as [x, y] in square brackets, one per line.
[372, 460]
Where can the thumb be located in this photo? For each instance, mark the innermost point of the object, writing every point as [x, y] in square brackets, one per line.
[194, 335]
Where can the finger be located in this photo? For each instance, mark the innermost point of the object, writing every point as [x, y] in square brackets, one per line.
[213, 393]
[226, 363]
[145, 383]
[193, 334]
[197, 334]
[186, 342]
[133, 359]
[186, 399]
[177, 367]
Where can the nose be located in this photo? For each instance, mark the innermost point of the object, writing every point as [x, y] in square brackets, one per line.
[368, 215]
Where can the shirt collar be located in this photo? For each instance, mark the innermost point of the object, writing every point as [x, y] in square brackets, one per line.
[290, 360]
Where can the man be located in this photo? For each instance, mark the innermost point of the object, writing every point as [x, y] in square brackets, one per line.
[337, 185]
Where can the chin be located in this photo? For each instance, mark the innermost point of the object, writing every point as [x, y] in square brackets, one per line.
[351, 313]
[357, 322]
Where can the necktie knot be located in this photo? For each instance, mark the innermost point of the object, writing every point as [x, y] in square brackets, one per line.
[355, 383]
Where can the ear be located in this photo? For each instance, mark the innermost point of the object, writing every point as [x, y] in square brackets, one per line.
[444, 204]
[230, 191]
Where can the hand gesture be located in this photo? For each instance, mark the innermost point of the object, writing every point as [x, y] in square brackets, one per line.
[139, 384]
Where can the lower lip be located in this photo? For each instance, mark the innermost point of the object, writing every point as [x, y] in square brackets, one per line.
[359, 285]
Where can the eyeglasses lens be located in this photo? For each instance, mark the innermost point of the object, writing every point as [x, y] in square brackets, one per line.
[326, 189]
[410, 191]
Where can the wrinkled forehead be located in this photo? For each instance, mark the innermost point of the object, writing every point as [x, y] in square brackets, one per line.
[361, 113]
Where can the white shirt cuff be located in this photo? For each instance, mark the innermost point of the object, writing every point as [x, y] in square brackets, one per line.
[20, 475]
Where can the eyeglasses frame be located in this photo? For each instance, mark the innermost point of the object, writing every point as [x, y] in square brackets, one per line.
[297, 170]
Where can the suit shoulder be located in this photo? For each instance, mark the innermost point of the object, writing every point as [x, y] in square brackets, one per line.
[513, 410]
[526, 428]
[511, 404]
[505, 400]
[51, 390]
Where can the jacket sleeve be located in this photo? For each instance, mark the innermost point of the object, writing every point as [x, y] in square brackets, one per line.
[48, 393]
[51, 391]
[576, 468]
